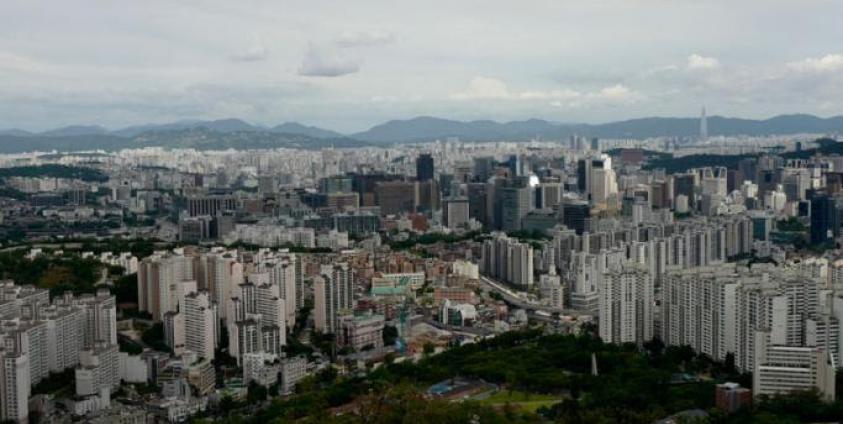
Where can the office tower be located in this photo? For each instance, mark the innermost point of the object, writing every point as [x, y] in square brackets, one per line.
[333, 296]
[515, 166]
[424, 167]
[483, 168]
[211, 205]
[785, 369]
[396, 197]
[477, 202]
[595, 144]
[200, 324]
[602, 184]
[626, 306]
[427, 196]
[516, 203]
[575, 215]
[455, 212]
[703, 126]
[823, 209]
[174, 329]
[336, 184]
[683, 184]
[748, 169]
[548, 195]
[583, 175]
[494, 204]
[713, 180]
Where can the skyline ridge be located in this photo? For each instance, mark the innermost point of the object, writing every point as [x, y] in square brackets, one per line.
[241, 124]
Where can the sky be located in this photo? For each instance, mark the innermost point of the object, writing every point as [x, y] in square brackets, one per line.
[348, 65]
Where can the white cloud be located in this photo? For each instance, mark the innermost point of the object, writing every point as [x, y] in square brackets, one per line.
[256, 52]
[480, 88]
[827, 63]
[364, 38]
[616, 92]
[14, 62]
[326, 62]
[484, 88]
[697, 62]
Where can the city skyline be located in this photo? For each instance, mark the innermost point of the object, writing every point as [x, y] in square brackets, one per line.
[350, 67]
[572, 211]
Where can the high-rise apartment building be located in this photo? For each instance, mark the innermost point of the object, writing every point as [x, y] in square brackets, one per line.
[200, 324]
[333, 295]
[626, 298]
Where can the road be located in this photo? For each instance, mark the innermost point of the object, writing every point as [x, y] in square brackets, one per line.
[511, 297]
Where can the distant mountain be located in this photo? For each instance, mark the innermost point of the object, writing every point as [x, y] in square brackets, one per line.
[296, 128]
[717, 125]
[235, 133]
[75, 130]
[200, 138]
[68, 143]
[15, 132]
[428, 128]
[203, 138]
[140, 129]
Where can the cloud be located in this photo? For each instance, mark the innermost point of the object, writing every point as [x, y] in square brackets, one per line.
[326, 62]
[256, 52]
[617, 92]
[480, 88]
[697, 62]
[9, 61]
[827, 63]
[484, 88]
[364, 38]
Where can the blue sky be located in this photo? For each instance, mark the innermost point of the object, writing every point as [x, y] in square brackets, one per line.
[348, 65]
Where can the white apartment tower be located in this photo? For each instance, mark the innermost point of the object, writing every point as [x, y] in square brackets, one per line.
[626, 306]
[333, 295]
[200, 324]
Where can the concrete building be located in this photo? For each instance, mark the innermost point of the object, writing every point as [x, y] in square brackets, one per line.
[626, 298]
[784, 369]
[361, 331]
[333, 296]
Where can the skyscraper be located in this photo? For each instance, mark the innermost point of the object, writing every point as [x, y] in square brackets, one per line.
[516, 202]
[822, 211]
[703, 126]
[424, 167]
[625, 302]
[333, 295]
[200, 319]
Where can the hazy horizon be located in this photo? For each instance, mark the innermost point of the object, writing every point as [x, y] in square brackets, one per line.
[349, 66]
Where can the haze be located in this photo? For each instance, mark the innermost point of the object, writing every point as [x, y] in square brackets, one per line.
[348, 65]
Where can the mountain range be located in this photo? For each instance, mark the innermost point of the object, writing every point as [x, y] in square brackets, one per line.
[236, 133]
